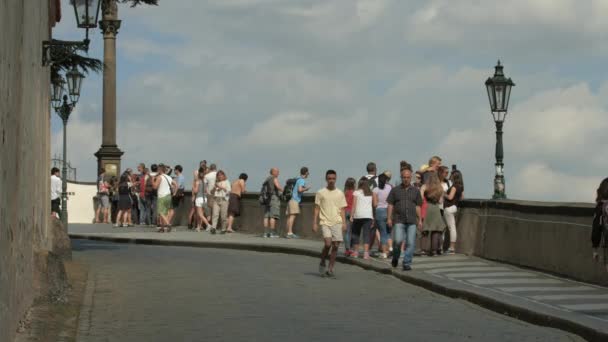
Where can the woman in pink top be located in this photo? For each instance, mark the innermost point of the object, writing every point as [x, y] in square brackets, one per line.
[349, 189]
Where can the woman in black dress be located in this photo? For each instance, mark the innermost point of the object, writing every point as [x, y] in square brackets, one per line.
[124, 201]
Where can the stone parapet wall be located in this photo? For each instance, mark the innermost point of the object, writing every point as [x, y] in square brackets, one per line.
[24, 155]
[552, 237]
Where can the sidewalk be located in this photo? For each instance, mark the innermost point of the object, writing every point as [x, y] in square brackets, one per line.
[529, 295]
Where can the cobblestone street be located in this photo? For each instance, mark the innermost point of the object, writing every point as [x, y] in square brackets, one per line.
[151, 293]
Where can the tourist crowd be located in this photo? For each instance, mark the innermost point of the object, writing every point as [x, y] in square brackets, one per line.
[414, 214]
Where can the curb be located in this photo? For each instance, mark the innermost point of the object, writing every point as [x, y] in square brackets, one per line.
[503, 308]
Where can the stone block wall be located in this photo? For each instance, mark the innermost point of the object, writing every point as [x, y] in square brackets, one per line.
[24, 154]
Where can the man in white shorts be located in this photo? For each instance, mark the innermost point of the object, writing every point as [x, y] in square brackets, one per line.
[329, 212]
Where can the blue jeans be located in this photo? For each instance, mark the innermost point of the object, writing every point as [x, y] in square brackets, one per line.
[404, 232]
[381, 218]
[144, 210]
[348, 232]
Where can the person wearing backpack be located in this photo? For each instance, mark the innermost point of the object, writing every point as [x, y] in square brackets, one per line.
[372, 178]
[599, 228]
[294, 188]
[269, 199]
[151, 196]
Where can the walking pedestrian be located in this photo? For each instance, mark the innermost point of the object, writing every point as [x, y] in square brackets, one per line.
[238, 188]
[162, 184]
[142, 200]
[403, 215]
[434, 224]
[293, 206]
[177, 197]
[272, 210]
[198, 193]
[372, 175]
[330, 214]
[192, 215]
[210, 179]
[381, 193]
[362, 217]
[599, 229]
[124, 201]
[450, 204]
[221, 194]
[152, 195]
[349, 189]
[56, 189]
[103, 198]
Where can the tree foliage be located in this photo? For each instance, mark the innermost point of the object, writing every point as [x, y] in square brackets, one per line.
[85, 64]
[139, 2]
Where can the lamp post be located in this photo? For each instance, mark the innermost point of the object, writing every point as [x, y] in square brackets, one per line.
[56, 51]
[64, 109]
[499, 91]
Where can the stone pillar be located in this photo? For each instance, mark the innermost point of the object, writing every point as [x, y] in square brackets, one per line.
[109, 154]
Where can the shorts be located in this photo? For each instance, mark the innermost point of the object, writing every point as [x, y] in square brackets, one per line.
[199, 202]
[104, 200]
[177, 201]
[163, 205]
[234, 205]
[293, 207]
[333, 232]
[273, 211]
[56, 205]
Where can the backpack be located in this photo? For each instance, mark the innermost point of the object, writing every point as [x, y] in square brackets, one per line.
[149, 188]
[265, 193]
[288, 189]
[373, 183]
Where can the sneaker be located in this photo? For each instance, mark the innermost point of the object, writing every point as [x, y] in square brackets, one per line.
[407, 267]
[267, 235]
[274, 235]
[330, 274]
[347, 253]
[213, 230]
[354, 254]
[321, 270]
[450, 252]
[116, 225]
[383, 256]
[366, 255]
[394, 262]
[291, 236]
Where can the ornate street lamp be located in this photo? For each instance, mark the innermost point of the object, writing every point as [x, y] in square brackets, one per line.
[64, 109]
[55, 50]
[499, 91]
[87, 12]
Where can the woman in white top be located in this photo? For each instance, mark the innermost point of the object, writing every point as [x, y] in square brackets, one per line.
[382, 192]
[362, 217]
[221, 194]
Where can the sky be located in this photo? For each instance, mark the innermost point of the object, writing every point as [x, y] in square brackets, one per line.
[252, 84]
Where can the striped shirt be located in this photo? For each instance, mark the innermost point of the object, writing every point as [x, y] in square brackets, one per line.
[404, 202]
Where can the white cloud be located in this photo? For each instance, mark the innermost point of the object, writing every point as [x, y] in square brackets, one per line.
[251, 83]
[297, 127]
[538, 181]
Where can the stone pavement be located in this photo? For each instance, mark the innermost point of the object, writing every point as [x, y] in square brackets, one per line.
[526, 294]
[164, 293]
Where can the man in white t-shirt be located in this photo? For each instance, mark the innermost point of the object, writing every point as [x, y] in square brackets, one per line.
[209, 182]
[330, 204]
[56, 186]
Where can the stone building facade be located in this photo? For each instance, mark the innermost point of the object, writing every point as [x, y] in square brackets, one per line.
[24, 154]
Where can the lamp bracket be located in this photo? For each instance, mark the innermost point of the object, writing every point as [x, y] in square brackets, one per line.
[56, 51]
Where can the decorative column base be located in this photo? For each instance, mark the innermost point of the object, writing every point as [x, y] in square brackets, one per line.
[108, 157]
